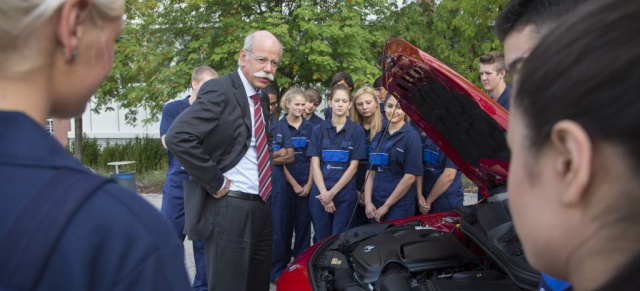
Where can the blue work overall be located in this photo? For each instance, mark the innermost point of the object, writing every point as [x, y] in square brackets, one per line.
[299, 170]
[334, 163]
[434, 164]
[399, 155]
[281, 207]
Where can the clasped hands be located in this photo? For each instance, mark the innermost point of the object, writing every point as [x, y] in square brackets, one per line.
[326, 199]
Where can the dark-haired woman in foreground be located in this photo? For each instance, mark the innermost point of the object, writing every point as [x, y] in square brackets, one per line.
[575, 139]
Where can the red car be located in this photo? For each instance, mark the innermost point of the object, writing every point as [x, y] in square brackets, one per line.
[470, 248]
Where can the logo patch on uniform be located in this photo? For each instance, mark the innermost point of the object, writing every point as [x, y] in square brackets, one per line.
[400, 150]
[330, 167]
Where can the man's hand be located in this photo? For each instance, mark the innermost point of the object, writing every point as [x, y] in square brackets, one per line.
[224, 190]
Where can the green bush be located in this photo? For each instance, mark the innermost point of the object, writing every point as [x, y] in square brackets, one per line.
[147, 152]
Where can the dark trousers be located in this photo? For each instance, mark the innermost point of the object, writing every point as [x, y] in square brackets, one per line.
[238, 253]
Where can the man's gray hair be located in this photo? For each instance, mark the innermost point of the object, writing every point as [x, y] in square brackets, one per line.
[249, 40]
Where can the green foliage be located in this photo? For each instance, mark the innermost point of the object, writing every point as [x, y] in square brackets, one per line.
[164, 40]
[457, 32]
[147, 152]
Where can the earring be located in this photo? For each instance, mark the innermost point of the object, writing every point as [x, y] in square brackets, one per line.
[74, 54]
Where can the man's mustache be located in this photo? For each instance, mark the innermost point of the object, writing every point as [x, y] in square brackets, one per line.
[262, 74]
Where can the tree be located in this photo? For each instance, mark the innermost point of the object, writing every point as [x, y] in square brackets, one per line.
[457, 32]
[163, 41]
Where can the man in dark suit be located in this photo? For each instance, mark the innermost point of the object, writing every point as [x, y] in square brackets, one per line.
[221, 141]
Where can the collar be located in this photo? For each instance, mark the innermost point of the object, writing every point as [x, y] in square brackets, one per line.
[302, 124]
[505, 93]
[247, 86]
[24, 142]
[405, 128]
[328, 124]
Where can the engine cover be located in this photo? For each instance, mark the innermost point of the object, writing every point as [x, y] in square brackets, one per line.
[415, 249]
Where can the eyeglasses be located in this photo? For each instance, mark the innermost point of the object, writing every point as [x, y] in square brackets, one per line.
[273, 104]
[263, 60]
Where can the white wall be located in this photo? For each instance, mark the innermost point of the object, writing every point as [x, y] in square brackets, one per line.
[111, 125]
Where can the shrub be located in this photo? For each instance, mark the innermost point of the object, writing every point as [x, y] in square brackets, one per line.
[147, 152]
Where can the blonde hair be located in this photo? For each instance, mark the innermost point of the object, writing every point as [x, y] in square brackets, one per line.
[376, 121]
[288, 97]
[20, 21]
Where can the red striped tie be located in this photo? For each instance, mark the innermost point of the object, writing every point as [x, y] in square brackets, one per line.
[264, 167]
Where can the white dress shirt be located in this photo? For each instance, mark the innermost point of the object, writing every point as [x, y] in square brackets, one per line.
[244, 176]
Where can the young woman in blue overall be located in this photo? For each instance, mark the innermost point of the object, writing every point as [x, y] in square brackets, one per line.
[395, 158]
[440, 188]
[366, 112]
[337, 145]
[282, 147]
[299, 180]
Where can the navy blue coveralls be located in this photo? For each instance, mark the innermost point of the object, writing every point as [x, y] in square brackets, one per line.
[299, 170]
[435, 162]
[173, 194]
[116, 240]
[336, 150]
[399, 155]
[505, 97]
[315, 119]
[360, 217]
[281, 206]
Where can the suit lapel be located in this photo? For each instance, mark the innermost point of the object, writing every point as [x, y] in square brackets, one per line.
[241, 97]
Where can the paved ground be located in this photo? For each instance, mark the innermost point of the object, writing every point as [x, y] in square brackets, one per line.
[156, 200]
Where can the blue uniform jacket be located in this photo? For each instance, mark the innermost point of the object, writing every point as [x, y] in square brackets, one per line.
[176, 174]
[315, 119]
[116, 241]
[301, 137]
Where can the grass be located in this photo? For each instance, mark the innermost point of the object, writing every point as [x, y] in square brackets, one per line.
[150, 182]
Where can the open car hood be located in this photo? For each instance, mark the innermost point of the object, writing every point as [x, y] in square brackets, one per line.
[467, 124]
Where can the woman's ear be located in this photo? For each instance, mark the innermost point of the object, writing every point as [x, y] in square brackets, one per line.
[68, 28]
[573, 151]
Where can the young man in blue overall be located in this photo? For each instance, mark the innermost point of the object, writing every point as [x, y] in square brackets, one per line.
[492, 74]
[395, 155]
[313, 101]
[172, 193]
[337, 145]
[281, 206]
[299, 179]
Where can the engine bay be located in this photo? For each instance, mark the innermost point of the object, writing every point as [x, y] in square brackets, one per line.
[413, 256]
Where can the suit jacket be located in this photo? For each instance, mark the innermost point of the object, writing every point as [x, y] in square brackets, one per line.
[209, 138]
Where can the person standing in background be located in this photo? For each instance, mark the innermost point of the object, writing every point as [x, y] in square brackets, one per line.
[390, 189]
[492, 74]
[172, 193]
[313, 101]
[337, 145]
[365, 112]
[221, 140]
